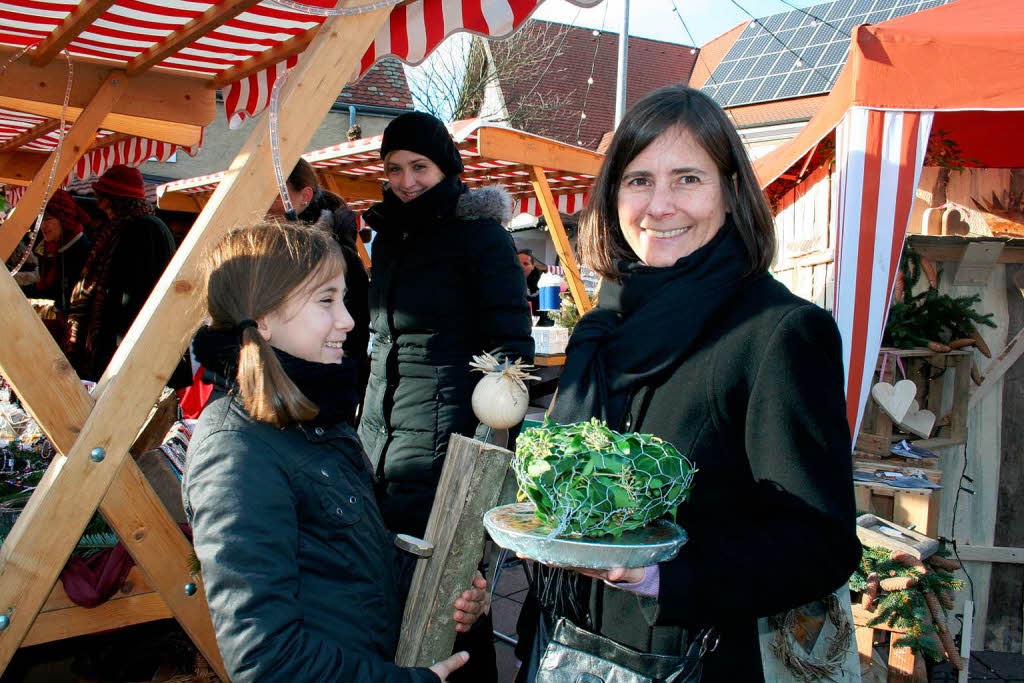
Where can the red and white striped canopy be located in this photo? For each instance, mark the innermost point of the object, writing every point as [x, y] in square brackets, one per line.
[361, 159]
[243, 55]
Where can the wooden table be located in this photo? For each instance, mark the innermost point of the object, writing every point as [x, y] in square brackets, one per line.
[549, 360]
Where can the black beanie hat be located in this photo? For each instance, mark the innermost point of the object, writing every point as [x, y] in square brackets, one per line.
[422, 133]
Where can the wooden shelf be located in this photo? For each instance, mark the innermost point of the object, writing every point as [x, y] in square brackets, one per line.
[549, 360]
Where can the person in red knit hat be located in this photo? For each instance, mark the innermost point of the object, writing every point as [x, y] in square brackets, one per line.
[129, 255]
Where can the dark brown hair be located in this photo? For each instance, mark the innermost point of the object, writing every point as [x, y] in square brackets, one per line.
[303, 176]
[251, 272]
[602, 244]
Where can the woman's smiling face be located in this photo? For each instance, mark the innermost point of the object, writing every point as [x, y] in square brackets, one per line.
[410, 174]
[671, 200]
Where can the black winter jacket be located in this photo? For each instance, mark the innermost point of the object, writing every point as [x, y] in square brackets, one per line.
[759, 406]
[340, 221]
[143, 251]
[441, 291]
[302, 577]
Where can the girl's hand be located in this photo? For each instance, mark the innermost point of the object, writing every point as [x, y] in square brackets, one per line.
[471, 604]
[444, 668]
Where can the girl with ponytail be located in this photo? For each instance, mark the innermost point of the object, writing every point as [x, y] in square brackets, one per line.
[303, 579]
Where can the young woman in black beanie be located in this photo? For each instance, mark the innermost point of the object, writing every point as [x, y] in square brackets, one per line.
[445, 284]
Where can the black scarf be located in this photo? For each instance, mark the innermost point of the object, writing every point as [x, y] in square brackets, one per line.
[437, 203]
[644, 326]
[330, 386]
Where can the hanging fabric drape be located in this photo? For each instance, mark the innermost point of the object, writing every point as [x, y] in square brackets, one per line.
[879, 155]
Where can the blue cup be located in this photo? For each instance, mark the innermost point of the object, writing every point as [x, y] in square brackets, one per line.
[549, 300]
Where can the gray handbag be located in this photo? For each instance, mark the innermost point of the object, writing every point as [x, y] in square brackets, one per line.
[576, 655]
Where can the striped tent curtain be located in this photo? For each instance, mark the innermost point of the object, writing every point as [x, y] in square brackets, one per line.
[879, 155]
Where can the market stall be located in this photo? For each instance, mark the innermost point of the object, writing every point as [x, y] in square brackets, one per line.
[543, 177]
[151, 72]
[924, 119]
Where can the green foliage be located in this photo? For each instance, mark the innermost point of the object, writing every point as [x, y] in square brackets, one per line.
[945, 152]
[905, 609]
[589, 480]
[567, 314]
[929, 316]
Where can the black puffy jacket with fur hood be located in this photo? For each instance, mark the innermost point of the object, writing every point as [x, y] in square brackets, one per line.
[445, 284]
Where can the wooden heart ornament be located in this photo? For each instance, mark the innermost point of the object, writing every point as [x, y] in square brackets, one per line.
[917, 421]
[894, 400]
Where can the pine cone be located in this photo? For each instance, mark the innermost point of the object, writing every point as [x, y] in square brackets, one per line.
[898, 583]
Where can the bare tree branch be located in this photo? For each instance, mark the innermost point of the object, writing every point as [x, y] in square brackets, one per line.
[454, 83]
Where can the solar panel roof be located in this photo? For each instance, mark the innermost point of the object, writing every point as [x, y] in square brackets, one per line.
[798, 53]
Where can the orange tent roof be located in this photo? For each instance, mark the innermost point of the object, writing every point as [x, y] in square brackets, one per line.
[964, 60]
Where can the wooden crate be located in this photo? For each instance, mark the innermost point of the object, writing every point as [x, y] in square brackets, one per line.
[914, 508]
[903, 665]
[936, 375]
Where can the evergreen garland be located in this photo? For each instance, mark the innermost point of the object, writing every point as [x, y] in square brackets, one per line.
[905, 609]
[929, 316]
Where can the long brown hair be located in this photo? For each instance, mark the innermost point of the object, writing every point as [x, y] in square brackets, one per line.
[253, 271]
[602, 244]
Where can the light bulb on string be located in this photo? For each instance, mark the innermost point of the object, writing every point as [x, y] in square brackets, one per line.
[590, 81]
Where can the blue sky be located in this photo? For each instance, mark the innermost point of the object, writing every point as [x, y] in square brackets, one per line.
[656, 19]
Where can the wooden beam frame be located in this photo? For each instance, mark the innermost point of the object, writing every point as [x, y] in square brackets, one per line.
[76, 143]
[353, 188]
[33, 133]
[75, 485]
[215, 16]
[278, 53]
[558, 235]
[74, 23]
[166, 107]
[18, 167]
[522, 148]
[61, 406]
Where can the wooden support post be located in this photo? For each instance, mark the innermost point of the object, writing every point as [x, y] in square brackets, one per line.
[557, 231]
[865, 646]
[995, 371]
[76, 143]
[51, 391]
[965, 641]
[470, 484]
[364, 255]
[62, 504]
[901, 663]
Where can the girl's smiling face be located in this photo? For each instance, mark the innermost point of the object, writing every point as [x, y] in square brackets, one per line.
[312, 323]
[410, 174]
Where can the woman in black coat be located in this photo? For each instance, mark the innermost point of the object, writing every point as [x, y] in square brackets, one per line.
[445, 284]
[693, 341]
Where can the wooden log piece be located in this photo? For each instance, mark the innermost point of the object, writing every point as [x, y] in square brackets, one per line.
[470, 485]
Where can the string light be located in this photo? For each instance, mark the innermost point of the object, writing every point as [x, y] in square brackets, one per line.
[590, 79]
